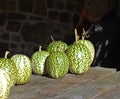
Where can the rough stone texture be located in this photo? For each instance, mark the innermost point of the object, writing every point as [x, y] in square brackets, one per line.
[40, 7]
[59, 4]
[13, 26]
[26, 5]
[50, 4]
[41, 31]
[8, 5]
[3, 47]
[64, 17]
[70, 6]
[32, 22]
[4, 36]
[36, 18]
[53, 14]
[16, 16]
[16, 38]
[3, 18]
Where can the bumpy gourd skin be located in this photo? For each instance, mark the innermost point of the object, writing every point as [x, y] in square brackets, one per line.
[24, 68]
[90, 47]
[57, 46]
[38, 62]
[57, 64]
[10, 67]
[79, 58]
[5, 84]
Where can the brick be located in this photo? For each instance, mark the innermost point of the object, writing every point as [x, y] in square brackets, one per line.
[64, 17]
[36, 18]
[16, 16]
[3, 47]
[8, 5]
[15, 38]
[38, 33]
[50, 4]
[70, 6]
[4, 36]
[60, 4]
[26, 6]
[13, 26]
[28, 30]
[3, 18]
[53, 14]
[40, 7]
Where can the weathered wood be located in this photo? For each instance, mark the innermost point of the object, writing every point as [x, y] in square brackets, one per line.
[91, 84]
[114, 93]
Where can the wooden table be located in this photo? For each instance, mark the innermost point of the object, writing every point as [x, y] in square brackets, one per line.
[97, 83]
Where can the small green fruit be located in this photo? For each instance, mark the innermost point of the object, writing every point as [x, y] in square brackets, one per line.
[57, 46]
[79, 58]
[57, 64]
[9, 66]
[24, 68]
[38, 62]
[5, 84]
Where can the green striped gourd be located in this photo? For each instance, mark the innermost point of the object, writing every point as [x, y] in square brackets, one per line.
[57, 64]
[87, 43]
[9, 66]
[38, 62]
[79, 58]
[24, 68]
[5, 84]
[57, 46]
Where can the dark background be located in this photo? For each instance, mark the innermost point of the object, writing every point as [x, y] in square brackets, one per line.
[26, 24]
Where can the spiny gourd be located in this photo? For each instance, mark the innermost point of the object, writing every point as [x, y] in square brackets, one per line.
[57, 64]
[38, 62]
[79, 57]
[24, 68]
[9, 66]
[57, 46]
[5, 84]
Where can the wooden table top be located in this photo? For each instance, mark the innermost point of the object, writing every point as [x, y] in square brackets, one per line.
[97, 83]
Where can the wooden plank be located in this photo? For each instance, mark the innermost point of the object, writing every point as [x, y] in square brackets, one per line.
[42, 87]
[95, 88]
[113, 93]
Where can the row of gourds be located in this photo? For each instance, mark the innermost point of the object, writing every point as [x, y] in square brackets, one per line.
[56, 61]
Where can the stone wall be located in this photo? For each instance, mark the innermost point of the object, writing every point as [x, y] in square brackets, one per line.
[26, 24]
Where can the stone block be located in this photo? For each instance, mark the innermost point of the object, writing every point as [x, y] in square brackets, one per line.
[37, 32]
[64, 17]
[26, 6]
[16, 16]
[3, 47]
[40, 7]
[54, 15]
[8, 5]
[50, 4]
[3, 17]
[36, 18]
[60, 4]
[4, 36]
[13, 26]
[70, 6]
[16, 38]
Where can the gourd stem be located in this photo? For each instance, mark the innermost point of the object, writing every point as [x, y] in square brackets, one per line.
[40, 48]
[6, 54]
[52, 38]
[58, 48]
[76, 36]
[83, 34]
